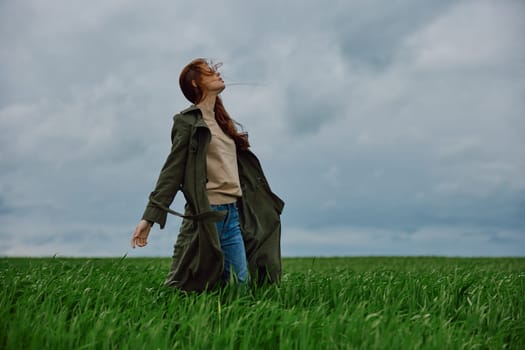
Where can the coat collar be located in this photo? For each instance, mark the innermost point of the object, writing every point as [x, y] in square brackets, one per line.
[190, 109]
[193, 109]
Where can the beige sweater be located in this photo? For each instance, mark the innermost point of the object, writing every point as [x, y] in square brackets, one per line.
[223, 185]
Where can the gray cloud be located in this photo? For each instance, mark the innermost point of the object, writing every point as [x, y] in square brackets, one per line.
[387, 128]
[4, 207]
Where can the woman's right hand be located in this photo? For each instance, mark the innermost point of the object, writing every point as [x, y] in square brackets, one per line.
[140, 236]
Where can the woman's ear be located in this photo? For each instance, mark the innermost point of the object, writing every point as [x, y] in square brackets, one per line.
[193, 83]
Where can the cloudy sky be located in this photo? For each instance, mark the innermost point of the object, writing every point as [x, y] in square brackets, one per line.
[388, 127]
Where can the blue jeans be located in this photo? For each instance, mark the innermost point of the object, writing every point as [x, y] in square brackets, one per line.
[232, 244]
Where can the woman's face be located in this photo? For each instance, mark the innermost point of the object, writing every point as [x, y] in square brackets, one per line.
[211, 80]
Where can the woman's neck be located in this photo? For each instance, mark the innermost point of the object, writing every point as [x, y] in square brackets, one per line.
[208, 103]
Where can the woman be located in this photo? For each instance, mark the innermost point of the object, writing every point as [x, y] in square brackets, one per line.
[231, 227]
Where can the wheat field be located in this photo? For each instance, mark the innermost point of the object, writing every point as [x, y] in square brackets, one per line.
[321, 303]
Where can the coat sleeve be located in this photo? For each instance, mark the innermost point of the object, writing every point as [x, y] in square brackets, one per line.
[171, 175]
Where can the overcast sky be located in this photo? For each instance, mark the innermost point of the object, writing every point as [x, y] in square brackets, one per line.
[388, 127]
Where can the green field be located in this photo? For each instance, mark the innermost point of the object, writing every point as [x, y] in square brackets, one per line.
[328, 303]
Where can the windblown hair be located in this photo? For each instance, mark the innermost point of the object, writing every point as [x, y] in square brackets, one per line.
[193, 72]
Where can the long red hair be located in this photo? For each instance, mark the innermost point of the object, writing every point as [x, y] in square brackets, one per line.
[193, 72]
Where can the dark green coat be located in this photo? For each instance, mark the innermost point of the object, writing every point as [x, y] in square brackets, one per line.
[198, 261]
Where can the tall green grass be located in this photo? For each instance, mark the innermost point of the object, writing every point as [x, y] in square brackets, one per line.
[329, 303]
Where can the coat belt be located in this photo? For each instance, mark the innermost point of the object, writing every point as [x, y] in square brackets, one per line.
[211, 215]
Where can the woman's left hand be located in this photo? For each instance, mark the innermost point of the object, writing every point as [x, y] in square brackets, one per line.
[140, 236]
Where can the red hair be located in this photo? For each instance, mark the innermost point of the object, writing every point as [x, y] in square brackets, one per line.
[193, 72]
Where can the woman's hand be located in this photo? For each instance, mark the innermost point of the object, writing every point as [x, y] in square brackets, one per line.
[140, 236]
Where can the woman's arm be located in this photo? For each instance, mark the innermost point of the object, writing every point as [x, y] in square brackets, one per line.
[169, 181]
[172, 174]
